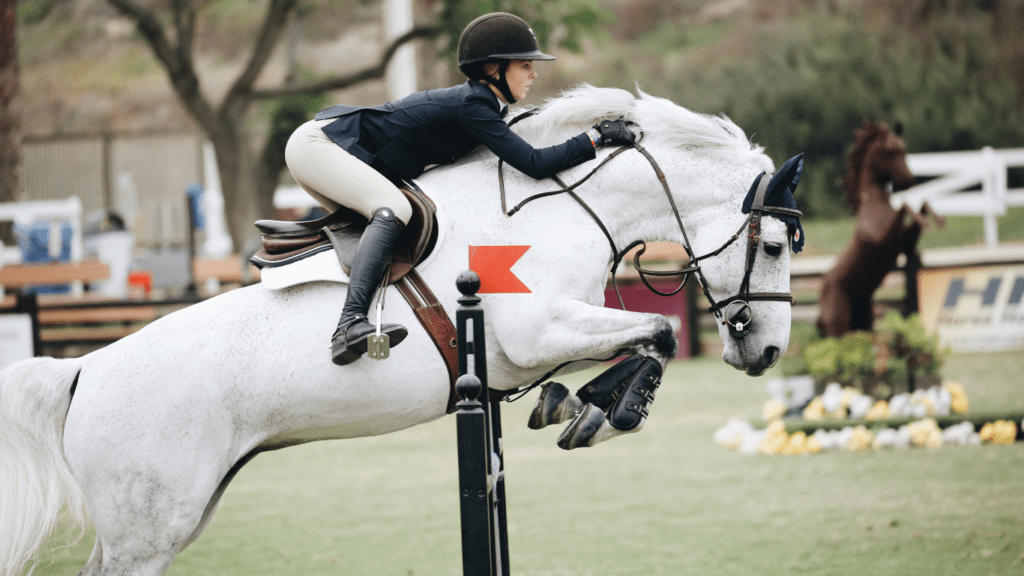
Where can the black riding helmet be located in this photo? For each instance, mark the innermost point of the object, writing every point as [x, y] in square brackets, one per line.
[501, 37]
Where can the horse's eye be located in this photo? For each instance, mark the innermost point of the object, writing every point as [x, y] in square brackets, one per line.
[772, 248]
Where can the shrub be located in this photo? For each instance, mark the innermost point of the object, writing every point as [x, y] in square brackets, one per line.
[880, 362]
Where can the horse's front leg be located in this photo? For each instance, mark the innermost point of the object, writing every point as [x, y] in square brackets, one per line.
[927, 210]
[565, 330]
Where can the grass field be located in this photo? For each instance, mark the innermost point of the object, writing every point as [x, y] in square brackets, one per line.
[664, 501]
[831, 236]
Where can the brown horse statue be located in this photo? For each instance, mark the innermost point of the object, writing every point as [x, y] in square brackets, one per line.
[878, 159]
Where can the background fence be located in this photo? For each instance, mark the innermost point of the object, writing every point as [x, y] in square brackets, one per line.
[142, 177]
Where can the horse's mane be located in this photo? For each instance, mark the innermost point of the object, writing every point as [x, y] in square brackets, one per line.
[863, 139]
[661, 120]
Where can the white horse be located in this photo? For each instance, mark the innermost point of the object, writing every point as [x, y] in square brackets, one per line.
[145, 434]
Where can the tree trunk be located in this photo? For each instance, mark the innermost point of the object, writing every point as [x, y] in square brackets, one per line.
[10, 121]
[238, 183]
[268, 173]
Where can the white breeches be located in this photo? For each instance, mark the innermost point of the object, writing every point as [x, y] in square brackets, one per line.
[336, 178]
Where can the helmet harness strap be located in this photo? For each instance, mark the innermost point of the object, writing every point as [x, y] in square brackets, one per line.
[501, 82]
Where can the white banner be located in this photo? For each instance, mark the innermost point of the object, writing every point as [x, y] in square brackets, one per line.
[15, 338]
[974, 309]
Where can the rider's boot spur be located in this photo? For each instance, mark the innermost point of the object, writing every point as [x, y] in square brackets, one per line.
[371, 261]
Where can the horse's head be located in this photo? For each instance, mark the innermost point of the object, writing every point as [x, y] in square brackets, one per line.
[888, 158]
[705, 164]
[748, 280]
[878, 154]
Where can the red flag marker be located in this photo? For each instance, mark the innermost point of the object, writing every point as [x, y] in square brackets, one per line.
[494, 266]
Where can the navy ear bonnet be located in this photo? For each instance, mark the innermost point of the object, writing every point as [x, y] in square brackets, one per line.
[780, 193]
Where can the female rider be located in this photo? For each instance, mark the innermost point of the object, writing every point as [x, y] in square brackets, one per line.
[351, 156]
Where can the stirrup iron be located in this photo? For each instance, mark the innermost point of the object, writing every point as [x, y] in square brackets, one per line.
[378, 346]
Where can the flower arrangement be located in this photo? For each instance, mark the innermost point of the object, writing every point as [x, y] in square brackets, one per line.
[841, 403]
[742, 436]
[899, 356]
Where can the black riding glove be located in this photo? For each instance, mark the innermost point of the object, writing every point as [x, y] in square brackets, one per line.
[614, 133]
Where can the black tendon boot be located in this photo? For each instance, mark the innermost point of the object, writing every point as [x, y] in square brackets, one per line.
[371, 260]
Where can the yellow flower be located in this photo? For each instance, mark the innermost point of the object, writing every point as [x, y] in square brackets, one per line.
[860, 439]
[1005, 432]
[812, 445]
[921, 430]
[988, 432]
[773, 410]
[879, 411]
[958, 402]
[934, 439]
[815, 410]
[775, 438]
[999, 432]
[849, 393]
[928, 403]
[796, 444]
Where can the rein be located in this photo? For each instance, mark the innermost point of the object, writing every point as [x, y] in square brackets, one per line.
[740, 320]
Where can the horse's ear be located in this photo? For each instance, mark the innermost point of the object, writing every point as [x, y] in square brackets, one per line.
[785, 181]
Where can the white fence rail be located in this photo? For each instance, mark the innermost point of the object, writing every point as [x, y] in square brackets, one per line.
[959, 171]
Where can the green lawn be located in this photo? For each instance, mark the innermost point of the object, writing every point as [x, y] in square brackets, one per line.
[831, 236]
[666, 500]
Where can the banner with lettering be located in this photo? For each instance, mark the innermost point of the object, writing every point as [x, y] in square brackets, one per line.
[974, 309]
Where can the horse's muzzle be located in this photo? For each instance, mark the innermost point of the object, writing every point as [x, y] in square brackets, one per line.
[768, 359]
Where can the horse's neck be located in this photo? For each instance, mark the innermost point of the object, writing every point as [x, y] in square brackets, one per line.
[872, 188]
[625, 194]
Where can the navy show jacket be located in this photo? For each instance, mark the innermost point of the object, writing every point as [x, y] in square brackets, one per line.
[403, 137]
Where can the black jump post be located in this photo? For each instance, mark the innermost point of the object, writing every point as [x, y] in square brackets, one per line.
[481, 463]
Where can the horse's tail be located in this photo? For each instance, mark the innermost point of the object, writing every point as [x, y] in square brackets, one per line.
[35, 480]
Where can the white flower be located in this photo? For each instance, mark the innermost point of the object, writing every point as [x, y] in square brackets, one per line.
[827, 439]
[899, 406]
[902, 437]
[943, 401]
[777, 388]
[962, 434]
[860, 405]
[843, 438]
[832, 398]
[731, 434]
[751, 440]
[886, 438]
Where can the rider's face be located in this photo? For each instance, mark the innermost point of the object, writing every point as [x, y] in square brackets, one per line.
[520, 76]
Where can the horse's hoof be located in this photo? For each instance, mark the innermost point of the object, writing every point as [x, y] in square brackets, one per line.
[583, 430]
[545, 410]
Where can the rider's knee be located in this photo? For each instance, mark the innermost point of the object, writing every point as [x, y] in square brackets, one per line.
[401, 208]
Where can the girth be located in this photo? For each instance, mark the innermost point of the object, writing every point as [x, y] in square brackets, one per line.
[288, 242]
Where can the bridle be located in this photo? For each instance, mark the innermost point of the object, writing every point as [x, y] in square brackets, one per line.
[734, 311]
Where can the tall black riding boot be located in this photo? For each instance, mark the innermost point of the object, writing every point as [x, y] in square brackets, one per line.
[373, 255]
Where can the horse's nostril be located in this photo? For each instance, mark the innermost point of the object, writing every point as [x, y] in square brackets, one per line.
[771, 354]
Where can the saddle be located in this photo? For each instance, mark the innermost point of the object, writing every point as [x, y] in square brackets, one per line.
[288, 242]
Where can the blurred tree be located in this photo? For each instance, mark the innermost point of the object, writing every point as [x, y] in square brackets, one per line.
[10, 124]
[801, 75]
[170, 31]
